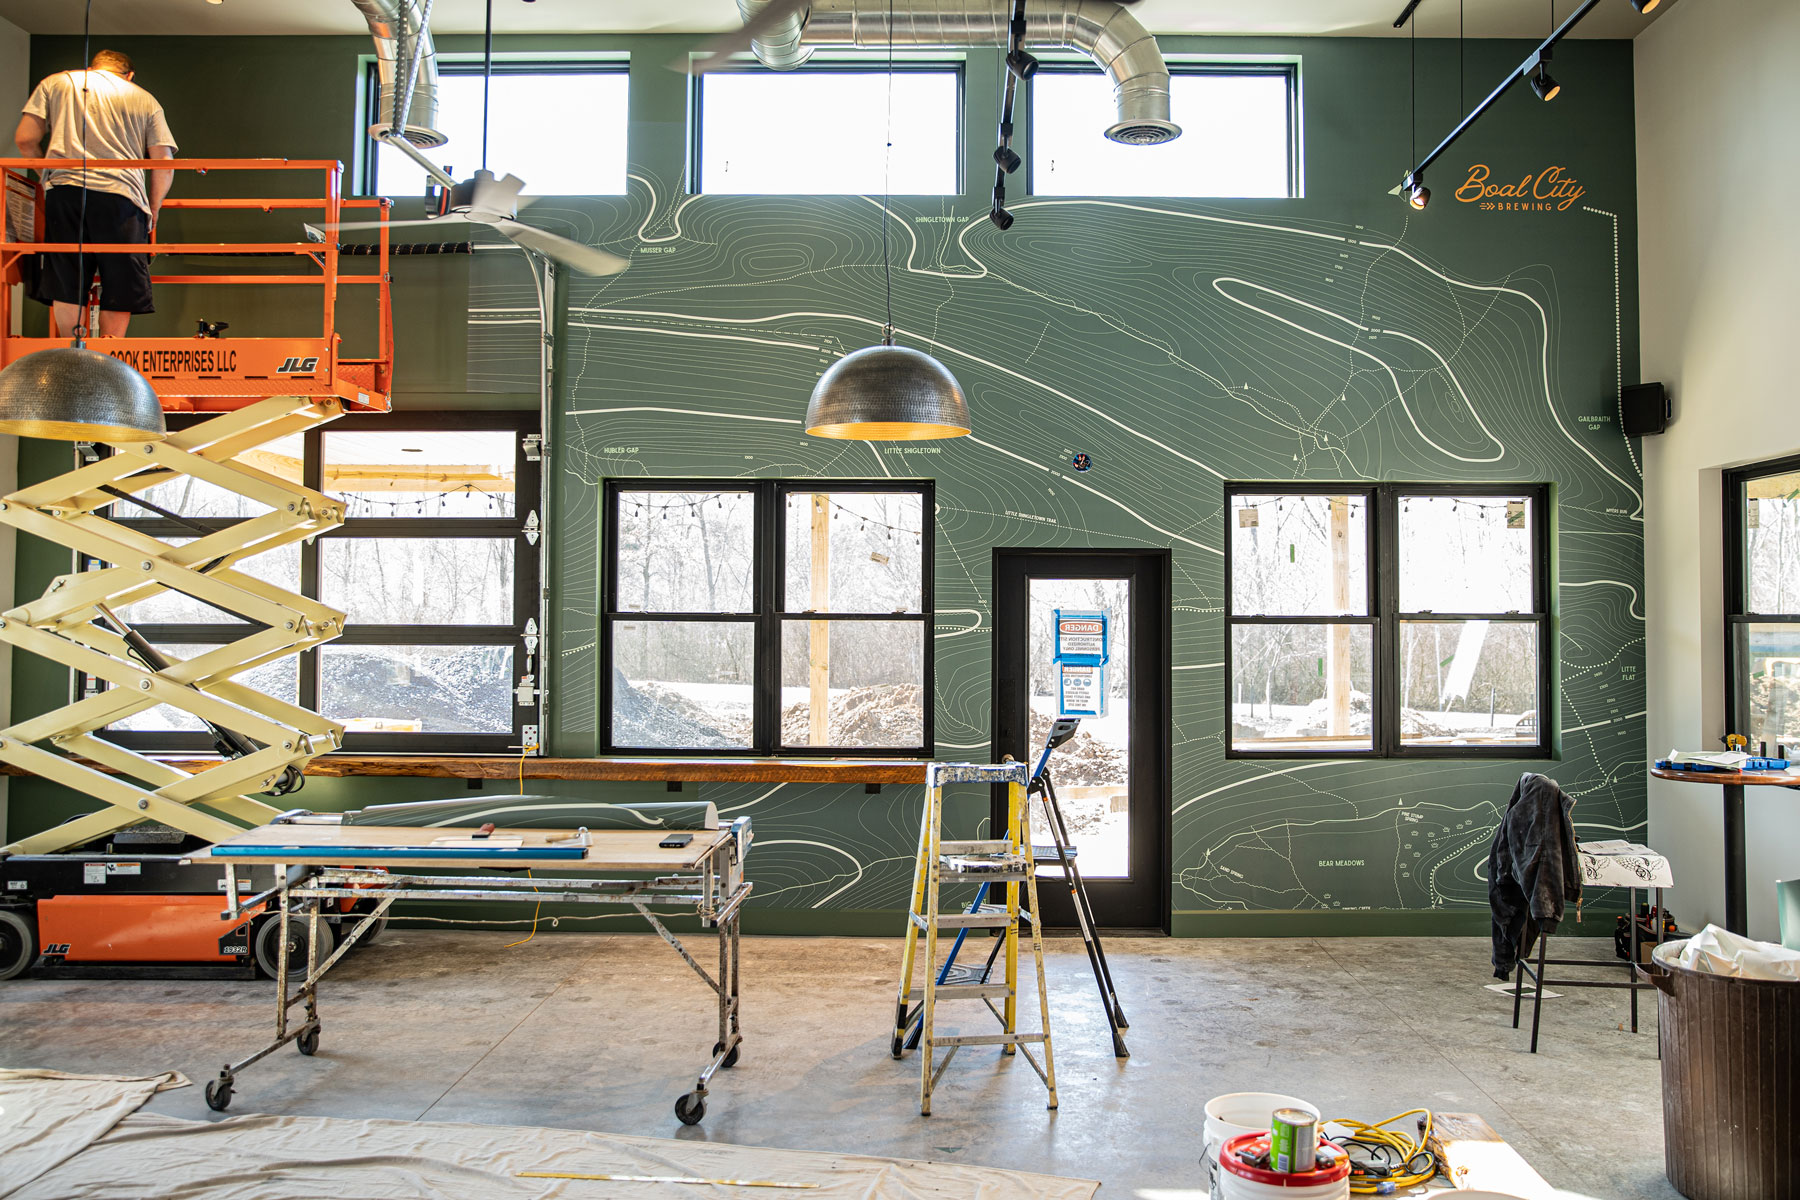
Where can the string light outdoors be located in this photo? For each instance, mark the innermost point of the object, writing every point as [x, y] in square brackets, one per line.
[693, 507]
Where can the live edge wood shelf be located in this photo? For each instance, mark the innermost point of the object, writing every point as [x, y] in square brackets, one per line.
[601, 770]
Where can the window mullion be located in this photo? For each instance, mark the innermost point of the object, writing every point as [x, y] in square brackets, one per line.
[1385, 710]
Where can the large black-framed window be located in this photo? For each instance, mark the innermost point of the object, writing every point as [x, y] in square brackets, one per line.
[1241, 134]
[436, 566]
[1387, 620]
[531, 101]
[1762, 604]
[789, 617]
[823, 129]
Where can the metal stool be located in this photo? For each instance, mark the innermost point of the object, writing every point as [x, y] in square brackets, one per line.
[1637, 978]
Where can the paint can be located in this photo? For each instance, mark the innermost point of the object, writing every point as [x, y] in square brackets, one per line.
[1238, 1180]
[1293, 1139]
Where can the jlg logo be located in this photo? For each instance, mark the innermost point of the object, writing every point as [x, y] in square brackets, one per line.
[57, 948]
[298, 366]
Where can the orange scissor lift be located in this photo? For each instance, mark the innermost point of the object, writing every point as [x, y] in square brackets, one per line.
[261, 389]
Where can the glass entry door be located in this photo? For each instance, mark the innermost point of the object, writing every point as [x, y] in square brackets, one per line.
[1111, 777]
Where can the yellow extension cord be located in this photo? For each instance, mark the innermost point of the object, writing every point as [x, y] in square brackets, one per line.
[1403, 1144]
[540, 904]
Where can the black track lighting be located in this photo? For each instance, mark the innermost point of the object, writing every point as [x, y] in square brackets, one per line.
[1007, 159]
[1544, 84]
[1645, 6]
[1000, 217]
[1021, 63]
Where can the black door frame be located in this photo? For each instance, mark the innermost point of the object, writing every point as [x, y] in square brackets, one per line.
[1151, 731]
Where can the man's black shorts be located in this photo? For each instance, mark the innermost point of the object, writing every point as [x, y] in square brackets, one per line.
[124, 278]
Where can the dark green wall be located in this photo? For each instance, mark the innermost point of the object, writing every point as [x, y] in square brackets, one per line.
[1176, 341]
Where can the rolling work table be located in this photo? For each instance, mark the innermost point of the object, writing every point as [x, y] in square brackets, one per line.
[327, 862]
[1732, 783]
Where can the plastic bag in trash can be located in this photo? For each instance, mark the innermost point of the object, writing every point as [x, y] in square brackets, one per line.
[1715, 951]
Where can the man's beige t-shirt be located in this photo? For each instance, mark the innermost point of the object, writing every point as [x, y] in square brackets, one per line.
[121, 120]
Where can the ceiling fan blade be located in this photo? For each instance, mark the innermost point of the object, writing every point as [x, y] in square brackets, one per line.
[718, 51]
[587, 259]
[497, 196]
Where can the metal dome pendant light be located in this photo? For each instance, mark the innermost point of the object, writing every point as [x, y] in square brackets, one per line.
[71, 393]
[74, 394]
[887, 393]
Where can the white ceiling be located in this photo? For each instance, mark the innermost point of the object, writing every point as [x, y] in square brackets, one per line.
[1341, 18]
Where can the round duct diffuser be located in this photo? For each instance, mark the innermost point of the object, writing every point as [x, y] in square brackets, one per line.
[1144, 132]
[887, 394]
[74, 394]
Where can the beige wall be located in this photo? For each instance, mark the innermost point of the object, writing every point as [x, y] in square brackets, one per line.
[1718, 148]
[15, 83]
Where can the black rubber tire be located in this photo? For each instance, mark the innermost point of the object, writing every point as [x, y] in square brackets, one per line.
[265, 948]
[218, 1095]
[730, 1059]
[308, 1042]
[18, 941]
[690, 1109]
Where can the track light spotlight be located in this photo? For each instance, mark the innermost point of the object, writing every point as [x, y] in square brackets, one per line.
[1544, 84]
[1645, 6]
[1000, 217]
[1021, 63]
[1417, 194]
[1007, 158]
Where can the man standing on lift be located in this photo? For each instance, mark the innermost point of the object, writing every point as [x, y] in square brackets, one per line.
[98, 114]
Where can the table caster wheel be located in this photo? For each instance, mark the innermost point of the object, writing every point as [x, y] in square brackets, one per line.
[690, 1108]
[730, 1059]
[218, 1094]
[308, 1042]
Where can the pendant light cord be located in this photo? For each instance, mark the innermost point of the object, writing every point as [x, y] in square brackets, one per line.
[87, 72]
[487, 78]
[887, 164]
[1414, 99]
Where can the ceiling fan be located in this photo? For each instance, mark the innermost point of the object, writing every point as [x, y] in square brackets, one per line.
[489, 200]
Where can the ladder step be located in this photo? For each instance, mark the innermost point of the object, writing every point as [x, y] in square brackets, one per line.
[1000, 868]
[990, 917]
[973, 991]
[990, 846]
[986, 1039]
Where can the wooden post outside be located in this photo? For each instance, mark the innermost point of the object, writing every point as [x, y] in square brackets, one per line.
[818, 657]
[1337, 652]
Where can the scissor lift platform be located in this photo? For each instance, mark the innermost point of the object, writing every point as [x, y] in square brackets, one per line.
[261, 389]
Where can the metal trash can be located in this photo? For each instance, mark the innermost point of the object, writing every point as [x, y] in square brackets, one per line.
[1730, 1081]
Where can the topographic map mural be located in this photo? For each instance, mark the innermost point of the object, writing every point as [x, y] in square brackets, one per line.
[1181, 344]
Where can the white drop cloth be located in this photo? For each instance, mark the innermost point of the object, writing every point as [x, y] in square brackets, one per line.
[278, 1158]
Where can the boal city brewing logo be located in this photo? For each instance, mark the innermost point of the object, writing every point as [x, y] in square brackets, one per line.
[1552, 189]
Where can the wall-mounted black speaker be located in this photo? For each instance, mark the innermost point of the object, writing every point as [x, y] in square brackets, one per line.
[1646, 409]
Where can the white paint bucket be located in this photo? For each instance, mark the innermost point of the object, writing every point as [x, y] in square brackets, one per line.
[1242, 1112]
[1240, 1181]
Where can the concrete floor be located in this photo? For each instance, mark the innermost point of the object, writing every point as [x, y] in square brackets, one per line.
[597, 1031]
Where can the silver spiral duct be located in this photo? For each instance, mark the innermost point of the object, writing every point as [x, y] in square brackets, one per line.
[1100, 29]
[393, 59]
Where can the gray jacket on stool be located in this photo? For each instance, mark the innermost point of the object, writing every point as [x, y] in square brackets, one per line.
[1532, 868]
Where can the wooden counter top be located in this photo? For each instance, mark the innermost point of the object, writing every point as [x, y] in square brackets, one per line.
[608, 770]
[1741, 778]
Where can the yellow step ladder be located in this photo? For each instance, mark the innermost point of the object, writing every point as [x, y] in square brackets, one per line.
[1004, 863]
